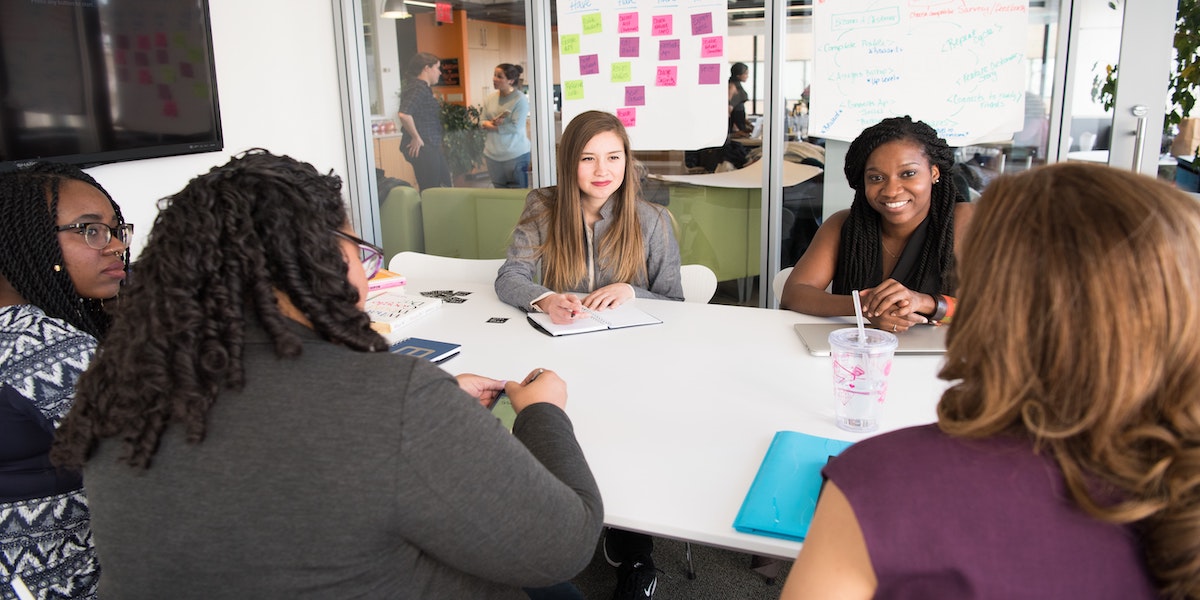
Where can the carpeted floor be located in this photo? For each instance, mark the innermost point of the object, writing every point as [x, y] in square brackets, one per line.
[720, 575]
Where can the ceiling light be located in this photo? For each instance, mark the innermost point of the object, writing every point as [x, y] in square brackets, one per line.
[394, 9]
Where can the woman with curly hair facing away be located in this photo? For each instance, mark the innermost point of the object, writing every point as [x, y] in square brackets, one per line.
[1065, 462]
[897, 241]
[246, 434]
[592, 235]
[63, 253]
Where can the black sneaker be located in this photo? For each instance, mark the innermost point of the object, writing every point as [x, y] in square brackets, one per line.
[610, 554]
[636, 579]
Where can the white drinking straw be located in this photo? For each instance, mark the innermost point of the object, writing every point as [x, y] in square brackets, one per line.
[862, 333]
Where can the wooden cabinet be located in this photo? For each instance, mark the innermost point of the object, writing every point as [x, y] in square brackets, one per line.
[389, 158]
[483, 34]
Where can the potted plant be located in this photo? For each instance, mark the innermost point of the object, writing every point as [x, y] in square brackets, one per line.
[463, 141]
[1184, 82]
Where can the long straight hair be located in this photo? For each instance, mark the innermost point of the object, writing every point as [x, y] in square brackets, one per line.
[1078, 327]
[563, 253]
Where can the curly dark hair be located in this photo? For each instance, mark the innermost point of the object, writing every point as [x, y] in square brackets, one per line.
[859, 252]
[31, 259]
[220, 251]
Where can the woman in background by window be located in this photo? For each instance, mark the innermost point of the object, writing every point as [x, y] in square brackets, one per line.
[506, 148]
[738, 74]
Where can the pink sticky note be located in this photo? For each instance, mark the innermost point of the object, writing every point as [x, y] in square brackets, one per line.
[627, 22]
[185, 69]
[661, 25]
[635, 95]
[710, 74]
[630, 47]
[120, 58]
[712, 46]
[701, 23]
[144, 77]
[666, 77]
[589, 64]
[628, 116]
[170, 109]
[164, 91]
[160, 40]
[143, 42]
[668, 50]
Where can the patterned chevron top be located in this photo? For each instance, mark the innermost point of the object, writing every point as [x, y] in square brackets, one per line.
[45, 535]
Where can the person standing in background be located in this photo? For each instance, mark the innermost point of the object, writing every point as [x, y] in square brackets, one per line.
[506, 148]
[421, 121]
[738, 74]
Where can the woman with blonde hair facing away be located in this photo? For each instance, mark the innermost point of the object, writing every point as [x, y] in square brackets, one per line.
[1065, 462]
[592, 235]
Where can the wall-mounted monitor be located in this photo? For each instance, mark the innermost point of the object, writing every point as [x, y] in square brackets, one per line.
[97, 81]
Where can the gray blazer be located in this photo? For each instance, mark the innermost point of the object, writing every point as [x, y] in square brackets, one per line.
[518, 281]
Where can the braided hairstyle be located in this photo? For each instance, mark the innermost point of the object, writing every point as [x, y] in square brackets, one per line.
[220, 251]
[859, 252]
[31, 259]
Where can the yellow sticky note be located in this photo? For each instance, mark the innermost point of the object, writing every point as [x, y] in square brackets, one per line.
[622, 72]
[569, 44]
[591, 23]
[573, 89]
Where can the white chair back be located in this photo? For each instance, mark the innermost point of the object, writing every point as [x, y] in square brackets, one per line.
[778, 282]
[416, 265]
[699, 283]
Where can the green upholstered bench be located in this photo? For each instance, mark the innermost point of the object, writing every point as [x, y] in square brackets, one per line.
[470, 222]
[400, 221]
[718, 228]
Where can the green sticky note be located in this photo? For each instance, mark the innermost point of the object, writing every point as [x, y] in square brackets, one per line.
[166, 75]
[622, 72]
[573, 89]
[591, 23]
[569, 44]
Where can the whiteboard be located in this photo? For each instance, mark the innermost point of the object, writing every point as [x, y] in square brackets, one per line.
[958, 65]
[659, 65]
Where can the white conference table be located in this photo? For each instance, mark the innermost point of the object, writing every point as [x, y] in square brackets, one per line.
[675, 418]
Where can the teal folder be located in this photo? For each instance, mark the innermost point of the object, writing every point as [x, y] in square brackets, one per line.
[782, 498]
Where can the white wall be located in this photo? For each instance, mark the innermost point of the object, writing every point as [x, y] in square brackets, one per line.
[278, 85]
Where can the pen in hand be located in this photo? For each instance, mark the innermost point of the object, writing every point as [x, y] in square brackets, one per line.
[534, 377]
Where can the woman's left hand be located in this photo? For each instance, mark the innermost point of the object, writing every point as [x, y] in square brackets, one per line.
[484, 389]
[609, 296]
[891, 306]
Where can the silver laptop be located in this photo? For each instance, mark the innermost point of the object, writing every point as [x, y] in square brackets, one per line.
[920, 339]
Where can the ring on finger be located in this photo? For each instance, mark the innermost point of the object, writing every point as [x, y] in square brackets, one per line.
[893, 328]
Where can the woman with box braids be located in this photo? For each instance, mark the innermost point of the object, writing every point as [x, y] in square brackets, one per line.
[32, 260]
[63, 253]
[896, 243]
[247, 435]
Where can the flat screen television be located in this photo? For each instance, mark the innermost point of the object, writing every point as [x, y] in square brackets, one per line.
[90, 82]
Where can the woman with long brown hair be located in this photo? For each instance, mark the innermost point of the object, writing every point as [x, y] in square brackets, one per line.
[1065, 462]
[592, 235]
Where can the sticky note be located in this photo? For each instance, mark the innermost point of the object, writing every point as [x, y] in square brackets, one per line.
[635, 95]
[622, 72]
[710, 74]
[589, 64]
[568, 44]
[170, 109]
[630, 47]
[591, 24]
[628, 116]
[573, 89]
[179, 39]
[143, 42]
[668, 49]
[185, 69]
[164, 91]
[702, 23]
[166, 75]
[711, 47]
[627, 22]
[160, 40]
[661, 25]
[144, 77]
[666, 76]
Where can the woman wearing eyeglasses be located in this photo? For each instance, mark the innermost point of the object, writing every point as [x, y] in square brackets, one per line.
[63, 253]
[246, 434]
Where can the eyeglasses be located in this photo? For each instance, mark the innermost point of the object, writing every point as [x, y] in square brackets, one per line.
[99, 235]
[370, 254]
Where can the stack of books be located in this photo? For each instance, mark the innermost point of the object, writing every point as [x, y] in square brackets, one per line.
[391, 310]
